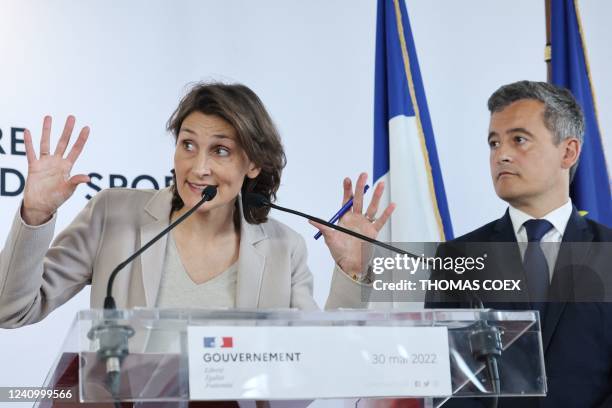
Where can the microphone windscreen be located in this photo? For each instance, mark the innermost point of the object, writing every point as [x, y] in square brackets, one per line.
[210, 192]
[255, 200]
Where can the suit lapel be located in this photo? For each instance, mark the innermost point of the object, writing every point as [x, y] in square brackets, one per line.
[251, 263]
[507, 257]
[503, 230]
[564, 276]
[152, 260]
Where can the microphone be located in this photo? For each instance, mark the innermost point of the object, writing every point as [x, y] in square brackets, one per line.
[208, 194]
[486, 345]
[113, 337]
[257, 200]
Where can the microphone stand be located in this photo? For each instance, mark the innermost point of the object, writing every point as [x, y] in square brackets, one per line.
[486, 345]
[113, 337]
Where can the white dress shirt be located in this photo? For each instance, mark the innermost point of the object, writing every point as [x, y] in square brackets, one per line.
[558, 218]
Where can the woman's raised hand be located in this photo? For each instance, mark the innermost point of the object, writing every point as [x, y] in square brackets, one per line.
[49, 183]
[347, 250]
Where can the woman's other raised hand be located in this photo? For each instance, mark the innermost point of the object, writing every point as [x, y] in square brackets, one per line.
[49, 183]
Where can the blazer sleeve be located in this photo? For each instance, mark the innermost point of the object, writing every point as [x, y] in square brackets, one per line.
[36, 276]
[301, 278]
[344, 292]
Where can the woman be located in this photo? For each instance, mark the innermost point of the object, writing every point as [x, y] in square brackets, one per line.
[224, 255]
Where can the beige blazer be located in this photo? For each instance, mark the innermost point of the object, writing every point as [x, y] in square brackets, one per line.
[36, 276]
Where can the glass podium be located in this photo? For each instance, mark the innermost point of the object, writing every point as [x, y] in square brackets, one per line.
[142, 356]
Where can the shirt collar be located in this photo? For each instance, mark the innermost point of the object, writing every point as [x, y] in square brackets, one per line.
[558, 217]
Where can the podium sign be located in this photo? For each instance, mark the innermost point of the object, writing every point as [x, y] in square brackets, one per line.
[229, 362]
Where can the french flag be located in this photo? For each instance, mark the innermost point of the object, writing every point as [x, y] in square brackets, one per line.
[405, 155]
[218, 342]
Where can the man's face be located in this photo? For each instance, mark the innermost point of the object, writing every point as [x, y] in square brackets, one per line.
[526, 164]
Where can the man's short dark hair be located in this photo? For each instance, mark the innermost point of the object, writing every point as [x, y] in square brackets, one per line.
[562, 113]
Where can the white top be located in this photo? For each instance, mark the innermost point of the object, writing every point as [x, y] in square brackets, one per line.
[178, 290]
[558, 218]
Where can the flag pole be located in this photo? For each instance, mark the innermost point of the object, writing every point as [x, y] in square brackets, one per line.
[548, 48]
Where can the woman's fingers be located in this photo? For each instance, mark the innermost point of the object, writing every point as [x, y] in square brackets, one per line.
[79, 179]
[77, 148]
[323, 228]
[373, 207]
[62, 144]
[358, 197]
[29, 146]
[49, 183]
[380, 222]
[347, 190]
[65, 138]
[45, 148]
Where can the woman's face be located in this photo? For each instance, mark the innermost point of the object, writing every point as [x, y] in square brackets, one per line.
[208, 153]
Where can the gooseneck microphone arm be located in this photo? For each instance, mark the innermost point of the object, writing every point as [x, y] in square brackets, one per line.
[112, 337]
[208, 194]
[258, 200]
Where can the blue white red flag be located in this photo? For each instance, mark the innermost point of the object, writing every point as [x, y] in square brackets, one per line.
[405, 155]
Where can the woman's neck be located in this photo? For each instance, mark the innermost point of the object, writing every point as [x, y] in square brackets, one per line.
[208, 225]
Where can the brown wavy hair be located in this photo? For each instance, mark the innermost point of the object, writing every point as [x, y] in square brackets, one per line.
[257, 135]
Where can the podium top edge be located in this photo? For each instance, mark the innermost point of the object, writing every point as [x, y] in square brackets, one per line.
[432, 317]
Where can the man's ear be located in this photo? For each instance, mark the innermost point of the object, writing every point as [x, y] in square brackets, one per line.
[571, 152]
[253, 171]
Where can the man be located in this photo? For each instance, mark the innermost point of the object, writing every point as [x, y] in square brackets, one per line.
[535, 136]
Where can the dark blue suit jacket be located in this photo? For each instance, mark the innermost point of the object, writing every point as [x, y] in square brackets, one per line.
[576, 335]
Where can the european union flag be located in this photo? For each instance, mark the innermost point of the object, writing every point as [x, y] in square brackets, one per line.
[590, 190]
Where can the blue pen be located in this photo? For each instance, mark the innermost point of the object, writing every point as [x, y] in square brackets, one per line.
[341, 212]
